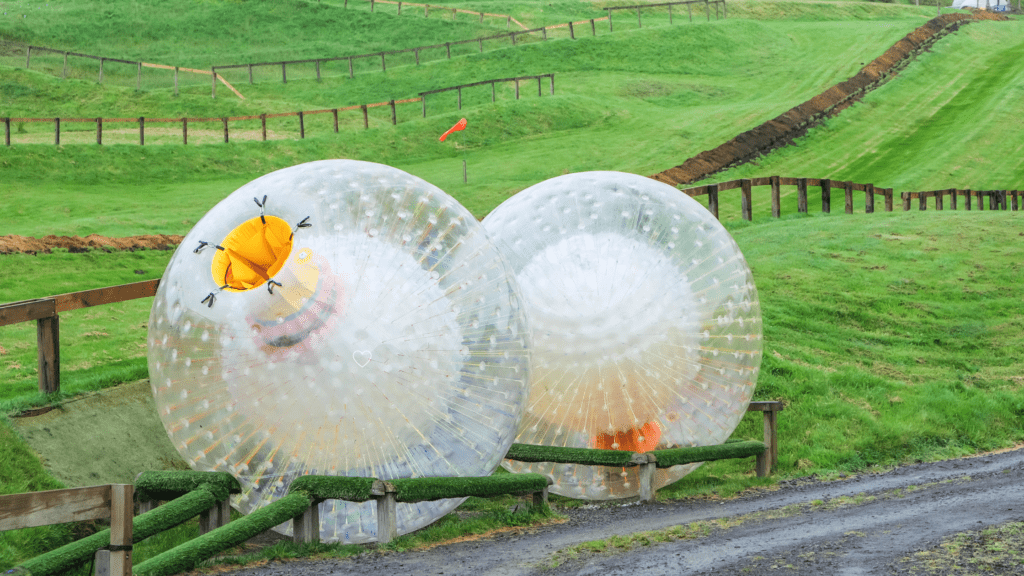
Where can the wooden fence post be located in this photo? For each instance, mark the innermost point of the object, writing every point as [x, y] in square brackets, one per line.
[967, 199]
[1014, 200]
[423, 99]
[56, 131]
[176, 80]
[138, 79]
[213, 74]
[593, 28]
[869, 198]
[776, 194]
[351, 74]
[48, 343]
[689, 11]
[284, 73]
[184, 131]
[394, 115]
[371, 5]
[713, 199]
[826, 195]
[318, 71]
[552, 84]
[7, 131]
[99, 130]
[383, 63]
[387, 526]
[459, 88]
[848, 190]
[448, 47]
[938, 199]
[142, 131]
[647, 465]
[517, 88]
[366, 118]
[250, 73]
[572, 33]
[263, 125]
[922, 201]
[953, 193]
[670, 14]
[481, 42]
[306, 528]
[544, 33]
[906, 200]
[492, 91]
[121, 509]
[101, 70]
[611, 27]
[65, 73]
[745, 209]
[887, 192]
[335, 111]
[1002, 199]
[707, 7]
[539, 93]
[225, 121]
[302, 126]
[801, 195]
[399, 8]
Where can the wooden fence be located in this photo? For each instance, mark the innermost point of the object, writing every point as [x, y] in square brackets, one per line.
[516, 80]
[443, 9]
[689, 10]
[113, 501]
[997, 199]
[301, 115]
[105, 60]
[514, 36]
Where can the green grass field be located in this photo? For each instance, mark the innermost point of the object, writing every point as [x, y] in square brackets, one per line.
[891, 337]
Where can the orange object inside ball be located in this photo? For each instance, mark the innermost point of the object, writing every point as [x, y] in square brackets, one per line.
[642, 439]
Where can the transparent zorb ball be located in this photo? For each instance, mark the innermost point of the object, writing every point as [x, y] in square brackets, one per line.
[339, 318]
[645, 320]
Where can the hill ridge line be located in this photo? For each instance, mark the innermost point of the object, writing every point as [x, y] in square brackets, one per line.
[795, 122]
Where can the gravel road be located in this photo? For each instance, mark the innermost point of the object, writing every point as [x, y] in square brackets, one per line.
[867, 524]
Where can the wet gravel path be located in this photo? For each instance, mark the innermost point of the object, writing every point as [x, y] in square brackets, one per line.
[903, 511]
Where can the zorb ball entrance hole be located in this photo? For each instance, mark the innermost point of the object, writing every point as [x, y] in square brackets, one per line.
[353, 321]
[645, 320]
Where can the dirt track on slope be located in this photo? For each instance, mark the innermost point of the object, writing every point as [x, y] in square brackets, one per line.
[28, 245]
[786, 531]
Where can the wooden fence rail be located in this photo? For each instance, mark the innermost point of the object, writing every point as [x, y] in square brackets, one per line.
[689, 10]
[443, 9]
[301, 115]
[516, 80]
[103, 60]
[997, 199]
[113, 501]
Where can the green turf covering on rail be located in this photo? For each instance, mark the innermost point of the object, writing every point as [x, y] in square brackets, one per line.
[677, 456]
[586, 456]
[170, 484]
[337, 487]
[436, 488]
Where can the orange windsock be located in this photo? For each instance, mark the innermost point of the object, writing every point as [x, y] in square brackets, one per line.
[460, 125]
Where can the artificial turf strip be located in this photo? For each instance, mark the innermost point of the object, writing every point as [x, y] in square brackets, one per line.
[170, 484]
[187, 555]
[677, 456]
[420, 489]
[145, 525]
[585, 456]
[334, 487]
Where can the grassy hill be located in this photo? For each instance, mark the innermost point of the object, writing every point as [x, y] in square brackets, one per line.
[891, 337]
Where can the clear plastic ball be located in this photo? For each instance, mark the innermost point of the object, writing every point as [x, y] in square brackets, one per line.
[645, 320]
[360, 323]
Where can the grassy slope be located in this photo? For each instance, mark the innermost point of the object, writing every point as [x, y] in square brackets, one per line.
[950, 120]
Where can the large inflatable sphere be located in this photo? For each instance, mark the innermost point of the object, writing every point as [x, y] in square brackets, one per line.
[339, 318]
[645, 320]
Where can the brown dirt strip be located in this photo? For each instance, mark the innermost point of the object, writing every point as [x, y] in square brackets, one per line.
[781, 130]
[28, 245]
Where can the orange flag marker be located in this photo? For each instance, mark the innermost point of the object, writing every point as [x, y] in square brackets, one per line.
[460, 125]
